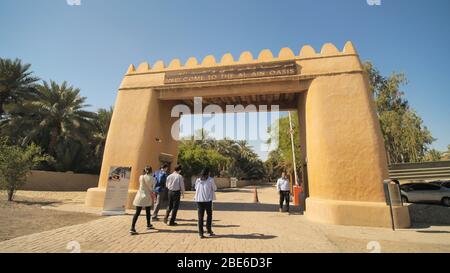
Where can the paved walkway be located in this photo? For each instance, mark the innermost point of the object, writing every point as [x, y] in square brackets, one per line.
[240, 227]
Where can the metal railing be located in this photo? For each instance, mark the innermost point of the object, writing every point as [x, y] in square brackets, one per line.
[426, 171]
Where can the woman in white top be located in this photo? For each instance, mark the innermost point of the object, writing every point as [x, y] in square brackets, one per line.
[144, 198]
[205, 193]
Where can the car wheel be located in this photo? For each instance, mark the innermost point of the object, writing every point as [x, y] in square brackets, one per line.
[446, 201]
[404, 199]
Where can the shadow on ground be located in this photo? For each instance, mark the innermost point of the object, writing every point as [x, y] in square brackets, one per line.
[235, 206]
[426, 215]
[38, 203]
[193, 220]
[215, 225]
[247, 189]
[257, 236]
[434, 231]
[239, 206]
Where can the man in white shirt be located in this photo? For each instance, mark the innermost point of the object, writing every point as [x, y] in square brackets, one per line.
[175, 185]
[205, 189]
[284, 190]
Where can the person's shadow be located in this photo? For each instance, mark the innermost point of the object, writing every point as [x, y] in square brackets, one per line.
[214, 225]
[194, 220]
[156, 230]
[257, 236]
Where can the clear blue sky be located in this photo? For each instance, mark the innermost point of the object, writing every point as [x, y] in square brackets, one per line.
[92, 45]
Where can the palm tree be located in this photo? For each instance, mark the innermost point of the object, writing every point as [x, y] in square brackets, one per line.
[55, 120]
[16, 82]
[246, 163]
[275, 165]
[236, 157]
[101, 123]
[202, 138]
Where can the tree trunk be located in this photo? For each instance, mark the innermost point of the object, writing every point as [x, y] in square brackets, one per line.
[1, 108]
[53, 140]
[10, 194]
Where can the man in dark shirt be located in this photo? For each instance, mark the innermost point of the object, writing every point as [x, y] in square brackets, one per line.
[160, 190]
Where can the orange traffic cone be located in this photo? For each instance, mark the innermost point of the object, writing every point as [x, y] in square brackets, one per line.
[255, 196]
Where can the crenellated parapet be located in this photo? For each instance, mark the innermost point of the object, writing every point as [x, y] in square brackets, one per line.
[310, 64]
[246, 57]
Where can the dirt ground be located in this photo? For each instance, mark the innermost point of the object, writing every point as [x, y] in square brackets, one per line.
[26, 216]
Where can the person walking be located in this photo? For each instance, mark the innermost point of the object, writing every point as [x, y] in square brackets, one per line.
[143, 198]
[205, 194]
[175, 186]
[284, 190]
[160, 190]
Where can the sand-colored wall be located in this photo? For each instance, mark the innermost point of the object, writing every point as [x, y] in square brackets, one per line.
[346, 156]
[57, 181]
[138, 120]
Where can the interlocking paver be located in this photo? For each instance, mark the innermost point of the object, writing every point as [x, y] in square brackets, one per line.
[240, 227]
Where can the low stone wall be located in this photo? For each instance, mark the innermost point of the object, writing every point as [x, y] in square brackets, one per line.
[246, 183]
[225, 182]
[56, 181]
[222, 182]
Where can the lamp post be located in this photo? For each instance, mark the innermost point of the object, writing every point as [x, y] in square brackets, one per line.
[293, 148]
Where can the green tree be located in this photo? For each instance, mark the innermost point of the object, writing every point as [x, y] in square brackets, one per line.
[446, 155]
[16, 82]
[92, 153]
[274, 164]
[246, 163]
[55, 120]
[101, 124]
[193, 158]
[433, 155]
[15, 163]
[405, 136]
[225, 157]
[281, 158]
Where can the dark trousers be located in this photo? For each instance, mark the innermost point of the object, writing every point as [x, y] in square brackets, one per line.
[201, 208]
[136, 215]
[174, 203]
[285, 196]
[161, 202]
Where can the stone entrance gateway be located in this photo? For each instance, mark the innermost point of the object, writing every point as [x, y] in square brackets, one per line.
[340, 134]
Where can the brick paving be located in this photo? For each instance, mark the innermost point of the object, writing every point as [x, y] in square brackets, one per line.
[240, 225]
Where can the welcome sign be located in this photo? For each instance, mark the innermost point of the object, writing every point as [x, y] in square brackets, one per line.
[117, 191]
[261, 70]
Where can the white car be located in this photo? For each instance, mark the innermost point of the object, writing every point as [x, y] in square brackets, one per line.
[425, 193]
